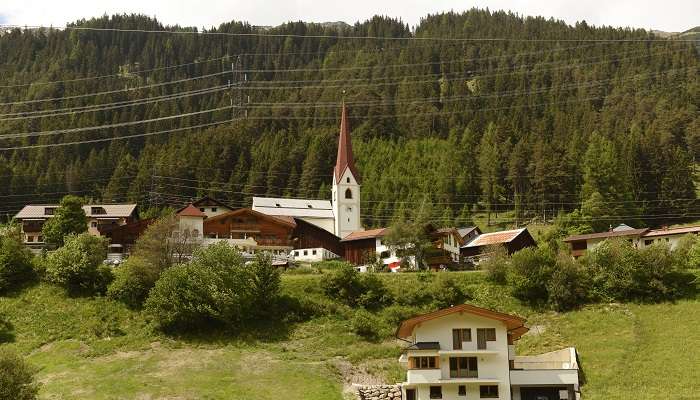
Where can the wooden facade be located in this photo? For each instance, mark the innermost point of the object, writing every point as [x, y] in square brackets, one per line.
[308, 236]
[245, 223]
[361, 251]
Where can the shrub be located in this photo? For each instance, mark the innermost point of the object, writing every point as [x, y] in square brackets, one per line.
[132, 281]
[496, 266]
[77, 266]
[16, 378]
[366, 324]
[446, 291]
[264, 282]
[211, 289]
[621, 272]
[396, 313]
[568, 286]
[530, 270]
[16, 267]
[356, 289]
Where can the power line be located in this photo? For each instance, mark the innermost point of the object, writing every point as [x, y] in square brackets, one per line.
[338, 37]
[117, 125]
[40, 146]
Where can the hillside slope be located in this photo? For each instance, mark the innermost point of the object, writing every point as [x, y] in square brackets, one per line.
[463, 122]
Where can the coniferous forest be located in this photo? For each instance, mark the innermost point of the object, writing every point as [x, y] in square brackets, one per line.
[598, 122]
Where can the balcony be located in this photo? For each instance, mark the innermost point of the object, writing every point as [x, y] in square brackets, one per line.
[553, 368]
[424, 375]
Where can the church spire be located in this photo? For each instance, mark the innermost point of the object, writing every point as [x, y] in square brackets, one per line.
[345, 159]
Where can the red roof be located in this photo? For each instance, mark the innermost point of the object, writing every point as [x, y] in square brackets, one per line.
[191, 211]
[345, 159]
[369, 234]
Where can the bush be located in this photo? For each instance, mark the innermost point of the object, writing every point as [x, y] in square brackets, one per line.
[356, 289]
[366, 324]
[132, 281]
[496, 266]
[265, 282]
[77, 266]
[446, 292]
[68, 219]
[530, 270]
[16, 267]
[212, 289]
[569, 285]
[16, 378]
[622, 272]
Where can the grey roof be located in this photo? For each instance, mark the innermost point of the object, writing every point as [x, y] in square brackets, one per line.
[622, 227]
[293, 207]
[38, 211]
[424, 346]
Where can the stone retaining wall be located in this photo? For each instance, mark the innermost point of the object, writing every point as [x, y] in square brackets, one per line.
[379, 392]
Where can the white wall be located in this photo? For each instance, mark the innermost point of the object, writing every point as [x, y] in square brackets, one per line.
[313, 254]
[191, 224]
[346, 211]
[209, 210]
[323, 223]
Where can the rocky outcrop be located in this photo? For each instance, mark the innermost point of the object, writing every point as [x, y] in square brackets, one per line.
[379, 392]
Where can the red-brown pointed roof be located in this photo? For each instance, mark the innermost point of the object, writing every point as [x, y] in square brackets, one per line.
[190, 211]
[345, 158]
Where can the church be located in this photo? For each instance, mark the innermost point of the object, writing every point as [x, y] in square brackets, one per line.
[339, 216]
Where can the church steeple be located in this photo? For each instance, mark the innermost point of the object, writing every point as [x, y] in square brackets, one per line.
[346, 184]
[345, 159]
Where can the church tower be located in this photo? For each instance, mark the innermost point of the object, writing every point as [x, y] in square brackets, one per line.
[346, 184]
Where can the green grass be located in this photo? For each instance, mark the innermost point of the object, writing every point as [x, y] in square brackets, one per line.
[98, 349]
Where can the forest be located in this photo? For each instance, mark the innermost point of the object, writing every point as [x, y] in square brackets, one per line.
[598, 124]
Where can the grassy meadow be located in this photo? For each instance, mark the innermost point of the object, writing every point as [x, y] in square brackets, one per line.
[87, 348]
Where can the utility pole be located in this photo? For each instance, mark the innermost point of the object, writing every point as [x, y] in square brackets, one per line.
[238, 79]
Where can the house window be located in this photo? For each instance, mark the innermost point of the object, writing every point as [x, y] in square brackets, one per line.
[488, 391]
[97, 210]
[93, 224]
[306, 252]
[423, 362]
[30, 239]
[213, 209]
[349, 209]
[313, 252]
[384, 254]
[464, 367]
[484, 335]
[649, 242]
[462, 390]
[202, 209]
[347, 179]
[410, 394]
[40, 239]
[436, 392]
[296, 253]
[49, 210]
[459, 336]
[348, 193]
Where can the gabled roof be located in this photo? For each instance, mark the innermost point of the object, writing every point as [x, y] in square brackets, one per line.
[275, 219]
[190, 211]
[514, 324]
[450, 231]
[672, 231]
[487, 239]
[345, 159]
[599, 235]
[110, 211]
[293, 207]
[467, 230]
[368, 234]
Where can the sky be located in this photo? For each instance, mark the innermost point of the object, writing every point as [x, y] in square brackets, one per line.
[669, 15]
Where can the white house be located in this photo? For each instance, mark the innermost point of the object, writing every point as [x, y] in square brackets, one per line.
[467, 352]
[639, 238]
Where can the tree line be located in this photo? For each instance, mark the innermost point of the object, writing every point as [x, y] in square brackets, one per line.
[605, 132]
